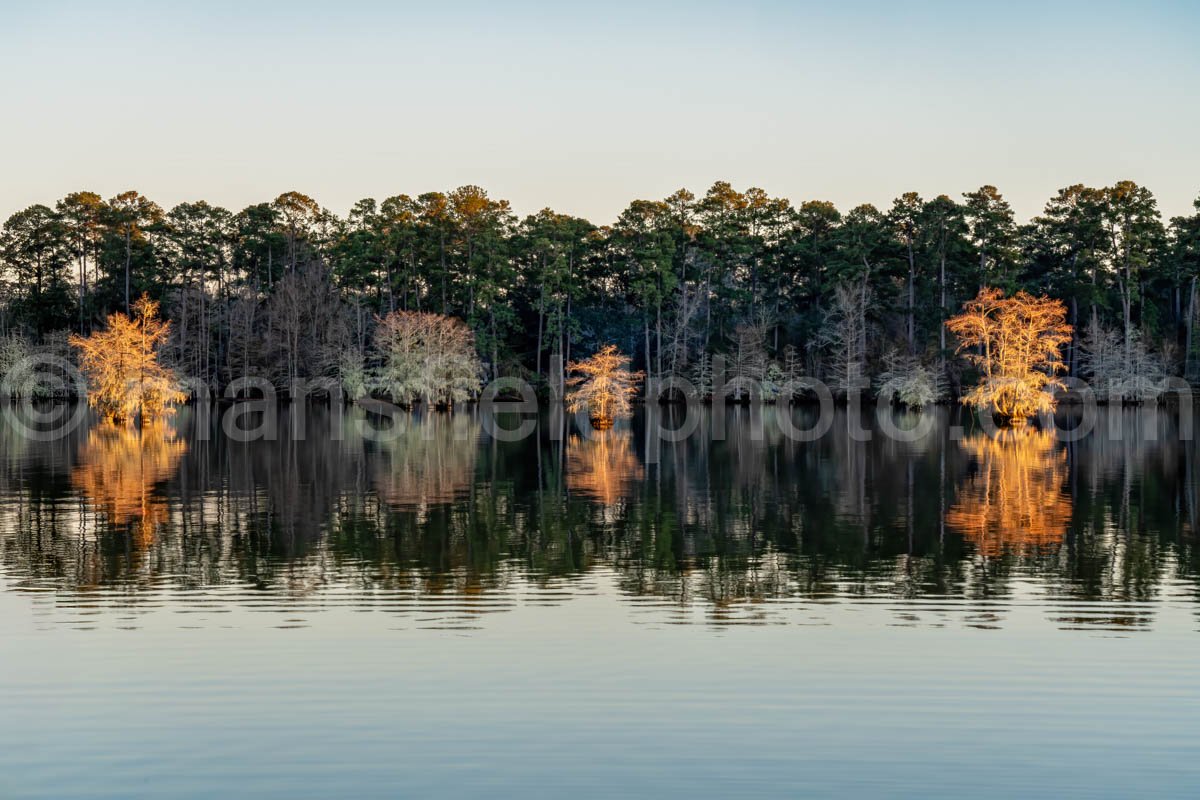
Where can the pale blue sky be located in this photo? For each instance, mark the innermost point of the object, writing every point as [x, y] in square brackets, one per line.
[585, 107]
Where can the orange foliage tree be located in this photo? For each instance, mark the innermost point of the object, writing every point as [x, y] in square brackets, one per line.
[1017, 344]
[125, 378]
[604, 385]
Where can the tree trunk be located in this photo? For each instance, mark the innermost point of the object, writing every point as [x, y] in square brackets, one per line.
[495, 347]
[942, 304]
[567, 351]
[82, 289]
[1073, 349]
[1127, 320]
[390, 294]
[1191, 315]
[646, 332]
[128, 258]
[658, 338]
[541, 323]
[912, 277]
[442, 257]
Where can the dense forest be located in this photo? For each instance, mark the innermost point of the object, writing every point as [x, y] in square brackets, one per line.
[286, 289]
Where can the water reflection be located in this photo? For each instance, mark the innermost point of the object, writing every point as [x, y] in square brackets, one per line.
[603, 465]
[1013, 498]
[427, 463]
[750, 527]
[119, 469]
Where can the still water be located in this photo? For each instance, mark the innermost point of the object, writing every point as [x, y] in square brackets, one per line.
[437, 612]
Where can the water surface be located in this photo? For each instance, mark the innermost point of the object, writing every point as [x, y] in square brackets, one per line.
[438, 611]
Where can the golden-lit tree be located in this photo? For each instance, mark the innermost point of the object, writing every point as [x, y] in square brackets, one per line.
[1017, 344]
[125, 378]
[603, 385]
[1016, 502]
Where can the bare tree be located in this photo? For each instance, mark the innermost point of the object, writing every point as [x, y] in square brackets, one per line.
[845, 337]
[747, 358]
[244, 343]
[603, 385]
[428, 357]
[307, 326]
[682, 337]
[1121, 368]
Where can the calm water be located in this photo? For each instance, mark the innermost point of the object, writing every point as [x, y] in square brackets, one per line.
[444, 613]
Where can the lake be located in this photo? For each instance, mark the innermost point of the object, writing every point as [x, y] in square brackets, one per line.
[428, 609]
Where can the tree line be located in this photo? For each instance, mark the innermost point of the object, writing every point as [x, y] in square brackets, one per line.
[287, 289]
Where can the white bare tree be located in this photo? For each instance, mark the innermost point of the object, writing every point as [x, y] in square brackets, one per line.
[1119, 366]
[429, 357]
[845, 338]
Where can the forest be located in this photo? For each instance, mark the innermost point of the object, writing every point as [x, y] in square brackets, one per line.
[287, 289]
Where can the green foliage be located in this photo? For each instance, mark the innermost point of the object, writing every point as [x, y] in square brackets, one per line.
[284, 288]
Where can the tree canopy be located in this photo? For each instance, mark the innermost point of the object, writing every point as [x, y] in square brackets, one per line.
[125, 378]
[287, 289]
[1017, 344]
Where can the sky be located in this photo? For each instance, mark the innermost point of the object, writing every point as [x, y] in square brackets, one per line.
[584, 107]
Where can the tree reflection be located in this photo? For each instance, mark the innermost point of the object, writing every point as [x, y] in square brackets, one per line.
[603, 466]
[1015, 502]
[428, 463]
[118, 469]
[732, 525]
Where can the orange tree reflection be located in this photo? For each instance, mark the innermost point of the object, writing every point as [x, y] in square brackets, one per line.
[1015, 502]
[603, 467]
[118, 469]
